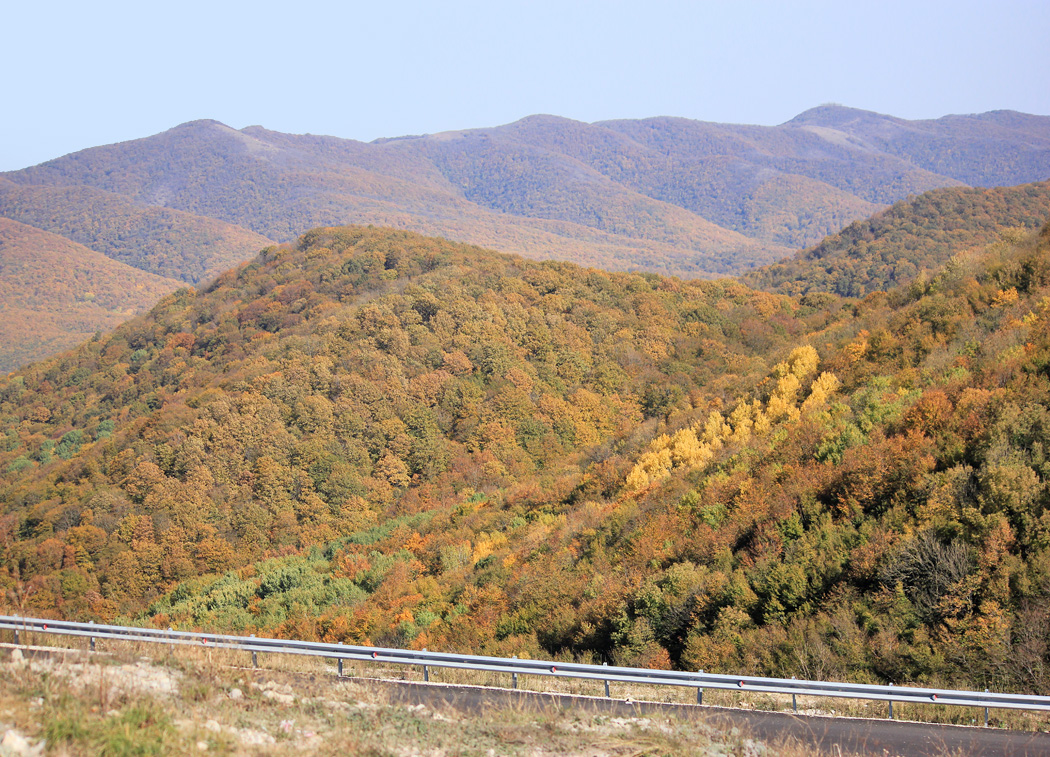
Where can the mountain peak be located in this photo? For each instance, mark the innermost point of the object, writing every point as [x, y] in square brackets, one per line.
[200, 124]
[833, 114]
[543, 119]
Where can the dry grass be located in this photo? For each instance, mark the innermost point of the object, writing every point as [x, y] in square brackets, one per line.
[84, 705]
[195, 702]
[858, 708]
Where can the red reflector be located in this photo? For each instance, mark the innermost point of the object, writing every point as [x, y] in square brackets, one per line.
[375, 655]
[554, 669]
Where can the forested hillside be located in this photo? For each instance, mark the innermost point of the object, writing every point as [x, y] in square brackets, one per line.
[357, 375]
[55, 293]
[165, 242]
[915, 237]
[372, 436]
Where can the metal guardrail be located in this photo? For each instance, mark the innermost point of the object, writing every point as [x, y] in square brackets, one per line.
[515, 667]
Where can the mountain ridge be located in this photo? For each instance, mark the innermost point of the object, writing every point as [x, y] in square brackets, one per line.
[668, 195]
[782, 149]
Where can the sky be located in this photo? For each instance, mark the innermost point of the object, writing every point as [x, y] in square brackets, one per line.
[83, 74]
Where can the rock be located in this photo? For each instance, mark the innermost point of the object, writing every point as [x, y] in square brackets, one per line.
[212, 726]
[202, 746]
[278, 696]
[236, 694]
[17, 745]
[278, 692]
[14, 741]
[17, 658]
[255, 738]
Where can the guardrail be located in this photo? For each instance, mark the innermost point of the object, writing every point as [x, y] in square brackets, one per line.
[515, 667]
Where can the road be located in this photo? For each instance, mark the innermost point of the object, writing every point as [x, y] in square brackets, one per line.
[889, 738]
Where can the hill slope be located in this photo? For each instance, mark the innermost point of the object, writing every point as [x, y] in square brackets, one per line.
[166, 242]
[360, 374]
[55, 293]
[443, 447]
[915, 236]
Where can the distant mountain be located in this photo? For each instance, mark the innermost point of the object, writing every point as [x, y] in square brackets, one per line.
[278, 185]
[166, 242]
[998, 148]
[55, 293]
[913, 237]
[664, 194]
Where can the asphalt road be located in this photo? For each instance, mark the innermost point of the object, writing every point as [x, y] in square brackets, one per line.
[831, 735]
[889, 738]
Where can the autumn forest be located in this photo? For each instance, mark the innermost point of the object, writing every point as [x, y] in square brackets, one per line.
[833, 466]
[372, 436]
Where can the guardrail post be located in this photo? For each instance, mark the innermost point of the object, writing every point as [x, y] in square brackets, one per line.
[20, 626]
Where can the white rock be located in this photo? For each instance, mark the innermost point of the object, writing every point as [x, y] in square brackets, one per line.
[277, 696]
[17, 745]
[17, 658]
[212, 726]
[256, 738]
[236, 694]
[14, 740]
[202, 746]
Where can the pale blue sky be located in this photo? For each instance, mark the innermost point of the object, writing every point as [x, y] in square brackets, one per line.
[88, 73]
